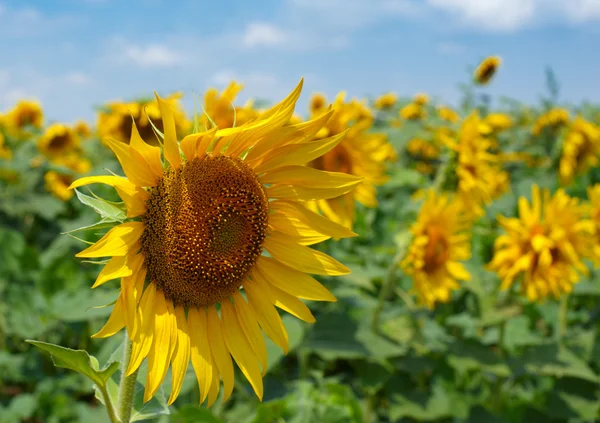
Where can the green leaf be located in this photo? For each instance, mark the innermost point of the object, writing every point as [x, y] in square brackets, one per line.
[78, 360]
[573, 398]
[105, 209]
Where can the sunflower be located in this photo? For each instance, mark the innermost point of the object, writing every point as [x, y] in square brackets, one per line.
[424, 152]
[58, 184]
[114, 121]
[220, 109]
[486, 69]
[58, 140]
[385, 101]
[196, 283]
[413, 111]
[497, 122]
[441, 241]
[74, 162]
[318, 102]
[360, 153]
[82, 129]
[27, 113]
[545, 246]
[421, 99]
[5, 152]
[448, 114]
[580, 151]
[552, 120]
[594, 199]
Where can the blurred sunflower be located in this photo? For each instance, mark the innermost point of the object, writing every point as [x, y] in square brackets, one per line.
[5, 152]
[421, 99]
[26, 114]
[220, 109]
[74, 162]
[82, 129]
[424, 152]
[202, 223]
[448, 114]
[115, 122]
[486, 70]
[385, 101]
[552, 120]
[318, 102]
[58, 140]
[545, 246]
[594, 199]
[580, 150]
[441, 240]
[413, 111]
[496, 122]
[58, 183]
[360, 153]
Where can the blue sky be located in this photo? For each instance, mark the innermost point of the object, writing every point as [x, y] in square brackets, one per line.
[75, 54]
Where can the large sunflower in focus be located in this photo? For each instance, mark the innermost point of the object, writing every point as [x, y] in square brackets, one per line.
[545, 246]
[441, 241]
[581, 150]
[196, 283]
[115, 120]
[360, 153]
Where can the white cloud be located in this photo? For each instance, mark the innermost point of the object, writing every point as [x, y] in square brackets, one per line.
[263, 34]
[153, 55]
[581, 10]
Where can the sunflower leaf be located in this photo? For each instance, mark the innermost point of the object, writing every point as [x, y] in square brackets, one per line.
[105, 209]
[78, 360]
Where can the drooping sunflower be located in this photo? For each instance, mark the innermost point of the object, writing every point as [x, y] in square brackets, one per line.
[361, 153]
[441, 241]
[196, 282]
[220, 109]
[580, 151]
[486, 69]
[58, 140]
[385, 101]
[114, 121]
[545, 246]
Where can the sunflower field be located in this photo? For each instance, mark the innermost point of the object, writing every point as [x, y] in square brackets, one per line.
[387, 259]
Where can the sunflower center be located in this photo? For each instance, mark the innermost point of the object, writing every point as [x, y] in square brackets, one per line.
[205, 227]
[436, 251]
[58, 143]
[336, 160]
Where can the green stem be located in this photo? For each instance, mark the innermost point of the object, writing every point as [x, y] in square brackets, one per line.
[387, 288]
[562, 318]
[110, 409]
[127, 384]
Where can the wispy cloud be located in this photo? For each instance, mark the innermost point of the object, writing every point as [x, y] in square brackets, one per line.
[152, 55]
[259, 34]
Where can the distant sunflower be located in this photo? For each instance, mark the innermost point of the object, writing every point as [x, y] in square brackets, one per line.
[201, 225]
[580, 151]
[594, 199]
[26, 115]
[385, 101]
[552, 120]
[413, 111]
[421, 99]
[497, 122]
[5, 152]
[545, 246]
[448, 114]
[58, 140]
[486, 70]
[220, 109]
[58, 185]
[361, 153]
[441, 241]
[82, 129]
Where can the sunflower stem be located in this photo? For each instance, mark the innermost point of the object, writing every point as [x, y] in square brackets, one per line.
[127, 384]
[387, 288]
[562, 318]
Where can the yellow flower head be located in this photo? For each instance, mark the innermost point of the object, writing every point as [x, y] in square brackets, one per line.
[441, 241]
[73, 161]
[552, 120]
[196, 282]
[27, 113]
[421, 99]
[361, 153]
[581, 150]
[385, 101]
[413, 111]
[423, 151]
[318, 102]
[220, 109]
[497, 122]
[58, 185]
[594, 198]
[545, 246]
[448, 114]
[5, 152]
[58, 140]
[117, 119]
[486, 69]
[82, 129]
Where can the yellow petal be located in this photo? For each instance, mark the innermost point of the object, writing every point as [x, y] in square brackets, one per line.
[115, 322]
[213, 392]
[458, 271]
[302, 193]
[135, 167]
[291, 304]
[181, 356]
[220, 353]
[150, 153]
[298, 154]
[131, 290]
[251, 329]
[163, 344]
[134, 197]
[292, 281]
[310, 177]
[200, 350]
[203, 145]
[170, 141]
[114, 269]
[295, 219]
[240, 348]
[303, 258]
[266, 315]
[143, 329]
[116, 242]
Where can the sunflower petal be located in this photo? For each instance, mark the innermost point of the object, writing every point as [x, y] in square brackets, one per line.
[297, 220]
[114, 269]
[251, 329]
[150, 153]
[116, 242]
[292, 281]
[200, 350]
[309, 177]
[240, 348]
[302, 258]
[143, 329]
[135, 167]
[221, 355]
[291, 304]
[131, 290]
[115, 322]
[181, 356]
[304, 193]
[170, 141]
